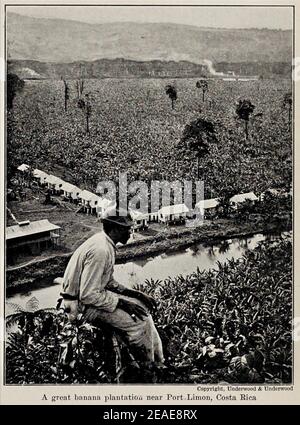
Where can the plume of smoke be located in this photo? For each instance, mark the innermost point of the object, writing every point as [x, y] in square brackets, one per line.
[211, 69]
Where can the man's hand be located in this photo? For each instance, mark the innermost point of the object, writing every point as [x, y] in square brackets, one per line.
[149, 301]
[134, 310]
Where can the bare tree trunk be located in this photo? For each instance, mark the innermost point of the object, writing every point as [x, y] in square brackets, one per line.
[66, 94]
[246, 129]
[203, 95]
[77, 88]
[87, 124]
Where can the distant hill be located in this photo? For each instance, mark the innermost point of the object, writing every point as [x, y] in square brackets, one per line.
[63, 41]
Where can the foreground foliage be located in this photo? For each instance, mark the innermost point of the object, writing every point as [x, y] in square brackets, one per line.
[232, 324]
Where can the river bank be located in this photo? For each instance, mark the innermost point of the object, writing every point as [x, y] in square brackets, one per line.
[251, 295]
[166, 241]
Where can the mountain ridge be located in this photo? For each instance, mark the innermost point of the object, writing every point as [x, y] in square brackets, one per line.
[146, 23]
[65, 41]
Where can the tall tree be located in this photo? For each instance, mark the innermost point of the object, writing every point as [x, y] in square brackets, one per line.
[203, 85]
[196, 138]
[244, 109]
[172, 93]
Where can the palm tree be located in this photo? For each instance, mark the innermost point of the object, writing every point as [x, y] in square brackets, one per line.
[199, 129]
[172, 93]
[244, 109]
[202, 84]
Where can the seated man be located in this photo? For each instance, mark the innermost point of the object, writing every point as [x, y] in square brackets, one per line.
[89, 279]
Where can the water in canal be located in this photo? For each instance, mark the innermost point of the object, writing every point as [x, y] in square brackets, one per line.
[159, 267]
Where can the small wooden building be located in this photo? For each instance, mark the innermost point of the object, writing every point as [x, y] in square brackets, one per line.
[70, 192]
[90, 201]
[54, 183]
[173, 213]
[280, 193]
[23, 174]
[40, 176]
[208, 207]
[30, 238]
[23, 168]
[236, 200]
[153, 216]
[140, 220]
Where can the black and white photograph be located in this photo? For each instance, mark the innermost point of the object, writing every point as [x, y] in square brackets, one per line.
[149, 209]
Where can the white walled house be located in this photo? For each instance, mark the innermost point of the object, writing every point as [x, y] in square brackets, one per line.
[23, 174]
[76, 193]
[153, 216]
[277, 193]
[95, 201]
[23, 167]
[140, 220]
[207, 206]
[242, 197]
[54, 183]
[172, 213]
[70, 192]
[40, 176]
[89, 201]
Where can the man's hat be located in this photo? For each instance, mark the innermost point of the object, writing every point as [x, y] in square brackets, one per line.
[118, 216]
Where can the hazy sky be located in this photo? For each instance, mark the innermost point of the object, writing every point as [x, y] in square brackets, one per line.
[227, 17]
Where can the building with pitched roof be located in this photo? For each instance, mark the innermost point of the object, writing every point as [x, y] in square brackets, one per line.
[30, 238]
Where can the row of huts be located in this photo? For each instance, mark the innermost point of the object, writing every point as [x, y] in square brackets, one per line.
[90, 202]
[95, 204]
[206, 207]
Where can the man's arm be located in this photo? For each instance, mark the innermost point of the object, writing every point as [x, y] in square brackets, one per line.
[92, 288]
[94, 293]
[84, 279]
[72, 276]
[147, 300]
[115, 286]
